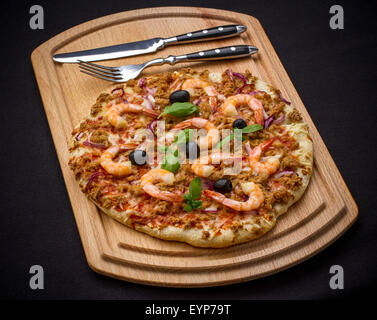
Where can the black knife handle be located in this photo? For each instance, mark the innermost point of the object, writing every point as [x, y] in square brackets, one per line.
[222, 53]
[208, 34]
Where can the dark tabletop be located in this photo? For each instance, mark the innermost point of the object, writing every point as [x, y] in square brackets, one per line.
[334, 72]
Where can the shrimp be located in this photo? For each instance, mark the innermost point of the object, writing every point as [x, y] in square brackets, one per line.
[256, 198]
[231, 103]
[270, 166]
[204, 142]
[208, 89]
[160, 175]
[202, 167]
[116, 168]
[113, 115]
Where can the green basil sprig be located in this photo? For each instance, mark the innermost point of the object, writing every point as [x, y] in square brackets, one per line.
[251, 128]
[183, 137]
[239, 133]
[171, 160]
[195, 190]
[180, 109]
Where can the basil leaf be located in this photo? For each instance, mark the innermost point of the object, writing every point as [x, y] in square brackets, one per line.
[180, 138]
[225, 140]
[238, 134]
[163, 149]
[183, 136]
[172, 167]
[195, 188]
[252, 128]
[188, 207]
[248, 129]
[188, 133]
[196, 204]
[170, 162]
[180, 109]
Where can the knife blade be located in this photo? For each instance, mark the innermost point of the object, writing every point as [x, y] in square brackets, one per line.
[147, 46]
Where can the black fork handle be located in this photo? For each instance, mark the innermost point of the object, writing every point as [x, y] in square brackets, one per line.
[222, 53]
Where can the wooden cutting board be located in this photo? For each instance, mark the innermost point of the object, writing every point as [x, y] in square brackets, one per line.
[326, 210]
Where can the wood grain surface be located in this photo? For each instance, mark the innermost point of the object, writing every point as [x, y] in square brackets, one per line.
[326, 210]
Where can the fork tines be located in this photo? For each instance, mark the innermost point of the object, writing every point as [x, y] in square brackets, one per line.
[102, 72]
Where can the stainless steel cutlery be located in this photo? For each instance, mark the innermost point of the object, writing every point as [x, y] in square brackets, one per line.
[131, 71]
[148, 46]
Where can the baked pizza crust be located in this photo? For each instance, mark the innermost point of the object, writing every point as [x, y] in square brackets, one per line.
[251, 228]
[300, 131]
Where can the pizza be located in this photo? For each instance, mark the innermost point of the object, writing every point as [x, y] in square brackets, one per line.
[210, 159]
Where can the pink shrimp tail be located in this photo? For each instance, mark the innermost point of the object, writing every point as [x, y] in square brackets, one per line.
[265, 145]
[213, 195]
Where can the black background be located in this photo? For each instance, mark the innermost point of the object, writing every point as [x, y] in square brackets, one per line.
[334, 72]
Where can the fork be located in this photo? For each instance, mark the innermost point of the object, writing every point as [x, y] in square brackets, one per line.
[131, 71]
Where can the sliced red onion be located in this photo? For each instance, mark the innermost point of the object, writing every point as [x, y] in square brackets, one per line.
[241, 76]
[152, 126]
[151, 91]
[245, 197]
[282, 99]
[92, 177]
[146, 103]
[268, 121]
[118, 91]
[94, 145]
[142, 82]
[151, 98]
[247, 147]
[229, 73]
[239, 90]
[209, 210]
[280, 119]
[89, 143]
[78, 137]
[221, 96]
[197, 101]
[283, 173]
[135, 181]
[253, 93]
[265, 115]
[206, 184]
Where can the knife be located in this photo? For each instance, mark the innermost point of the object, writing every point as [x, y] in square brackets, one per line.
[148, 46]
